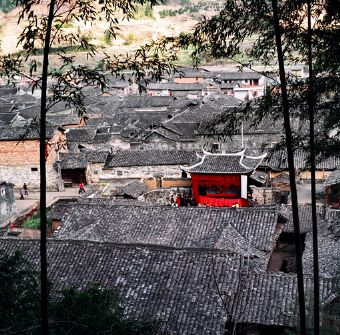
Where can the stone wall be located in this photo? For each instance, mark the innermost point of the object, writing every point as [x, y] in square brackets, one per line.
[263, 195]
[20, 174]
[7, 202]
[135, 172]
[94, 170]
[162, 196]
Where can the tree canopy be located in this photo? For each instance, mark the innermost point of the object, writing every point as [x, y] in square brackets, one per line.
[94, 310]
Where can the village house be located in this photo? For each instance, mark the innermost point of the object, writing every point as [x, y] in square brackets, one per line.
[246, 85]
[190, 76]
[19, 159]
[82, 167]
[323, 168]
[181, 90]
[157, 168]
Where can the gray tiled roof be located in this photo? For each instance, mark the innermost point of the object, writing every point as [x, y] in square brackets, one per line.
[333, 178]
[176, 287]
[81, 135]
[133, 189]
[22, 133]
[305, 218]
[21, 98]
[328, 250]
[60, 208]
[96, 156]
[180, 227]
[6, 90]
[225, 163]
[300, 161]
[6, 108]
[140, 101]
[7, 118]
[149, 158]
[271, 298]
[176, 87]
[72, 161]
[238, 75]
[62, 120]
[113, 200]
[193, 74]
[30, 112]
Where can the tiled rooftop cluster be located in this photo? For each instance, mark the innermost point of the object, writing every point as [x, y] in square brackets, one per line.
[271, 298]
[328, 248]
[173, 286]
[184, 227]
[181, 288]
[305, 218]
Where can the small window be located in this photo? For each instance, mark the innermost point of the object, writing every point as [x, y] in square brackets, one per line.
[34, 169]
[119, 173]
[184, 174]
[215, 147]
[3, 192]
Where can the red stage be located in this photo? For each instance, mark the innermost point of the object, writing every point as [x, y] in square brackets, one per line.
[217, 190]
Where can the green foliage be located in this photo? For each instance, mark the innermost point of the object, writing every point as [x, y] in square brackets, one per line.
[108, 38]
[7, 5]
[130, 39]
[95, 310]
[60, 24]
[144, 12]
[34, 221]
[19, 295]
[174, 12]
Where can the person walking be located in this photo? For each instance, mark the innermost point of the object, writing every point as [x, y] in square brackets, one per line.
[21, 192]
[25, 189]
[81, 188]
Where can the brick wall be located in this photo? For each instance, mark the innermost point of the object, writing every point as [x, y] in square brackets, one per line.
[19, 153]
[19, 162]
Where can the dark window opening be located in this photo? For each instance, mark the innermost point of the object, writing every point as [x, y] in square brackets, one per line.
[184, 174]
[215, 147]
[159, 182]
[202, 190]
[34, 169]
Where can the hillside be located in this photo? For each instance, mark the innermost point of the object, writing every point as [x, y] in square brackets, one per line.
[169, 19]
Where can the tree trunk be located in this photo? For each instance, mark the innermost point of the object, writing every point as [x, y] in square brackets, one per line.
[290, 156]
